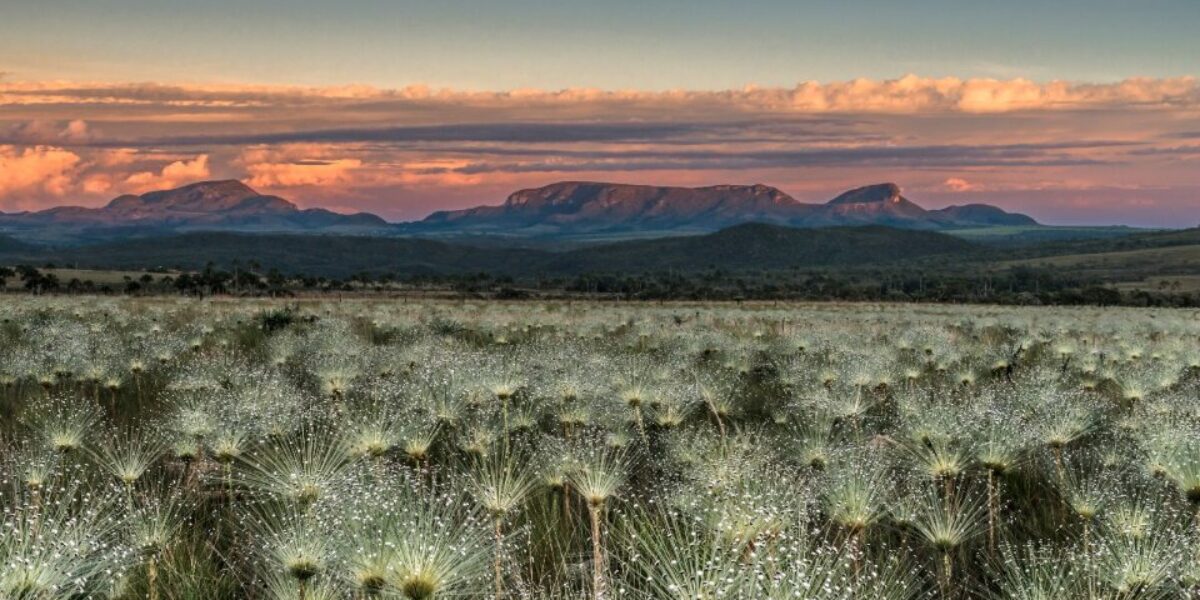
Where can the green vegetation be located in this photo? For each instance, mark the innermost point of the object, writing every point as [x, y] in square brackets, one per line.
[764, 247]
[948, 282]
[747, 262]
[1123, 264]
[741, 247]
[1026, 235]
[173, 448]
[92, 280]
[1184, 283]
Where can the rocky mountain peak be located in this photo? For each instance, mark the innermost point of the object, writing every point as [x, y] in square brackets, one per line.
[879, 193]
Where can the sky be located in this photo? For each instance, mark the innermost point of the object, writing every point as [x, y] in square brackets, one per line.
[1073, 111]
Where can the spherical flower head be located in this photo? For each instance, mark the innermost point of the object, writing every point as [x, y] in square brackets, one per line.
[1193, 494]
[65, 442]
[632, 398]
[504, 391]
[303, 567]
[418, 586]
[370, 581]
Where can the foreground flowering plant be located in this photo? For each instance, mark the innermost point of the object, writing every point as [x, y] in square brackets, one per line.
[159, 448]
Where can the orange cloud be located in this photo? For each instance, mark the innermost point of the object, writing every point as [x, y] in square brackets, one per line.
[910, 93]
[99, 183]
[36, 171]
[309, 172]
[295, 165]
[958, 184]
[116, 157]
[33, 176]
[173, 175]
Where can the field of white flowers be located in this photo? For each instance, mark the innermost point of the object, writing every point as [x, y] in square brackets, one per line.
[167, 449]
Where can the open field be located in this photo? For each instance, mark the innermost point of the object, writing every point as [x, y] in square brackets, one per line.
[1183, 283]
[1170, 262]
[100, 277]
[244, 448]
[1035, 234]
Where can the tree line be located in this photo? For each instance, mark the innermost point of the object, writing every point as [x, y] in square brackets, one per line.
[1016, 286]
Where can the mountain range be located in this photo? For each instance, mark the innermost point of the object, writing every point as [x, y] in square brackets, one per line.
[560, 210]
[575, 229]
[590, 207]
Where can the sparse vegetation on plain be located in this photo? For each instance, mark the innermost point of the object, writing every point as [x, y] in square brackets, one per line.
[238, 448]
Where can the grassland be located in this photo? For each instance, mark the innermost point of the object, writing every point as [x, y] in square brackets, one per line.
[315, 450]
[1125, 266]
[100, 277]
[1183, 283]
[1023, 235]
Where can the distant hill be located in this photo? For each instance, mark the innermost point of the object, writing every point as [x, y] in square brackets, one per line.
[1140, 240]
[575, 208]
[758, 246]
[1173, 255]
[743, 247]
[209, 205]
[1028, 236]
[325, 255]
[10, 245]
[983, 214]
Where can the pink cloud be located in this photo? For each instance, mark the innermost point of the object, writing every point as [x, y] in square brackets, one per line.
[116, 157]
[958, 184]
[314, 172]
[38, 131]
[296, 165]
[175, 174]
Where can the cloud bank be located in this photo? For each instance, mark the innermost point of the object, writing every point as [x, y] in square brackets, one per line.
[405, 152]
[907, 94]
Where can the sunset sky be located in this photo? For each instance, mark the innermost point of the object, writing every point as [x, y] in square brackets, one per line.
[1074, 111]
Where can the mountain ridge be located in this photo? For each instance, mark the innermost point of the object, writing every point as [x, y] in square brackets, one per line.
[585, 206]
[227, 204]
[560, 210]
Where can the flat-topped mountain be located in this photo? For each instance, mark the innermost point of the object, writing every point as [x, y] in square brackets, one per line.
[590, 206]
[593, 207]
[218, 205]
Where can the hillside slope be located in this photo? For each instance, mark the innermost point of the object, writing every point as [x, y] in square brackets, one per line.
[759, 246]
[744, 247]
[325, 255]
[1132, 258]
